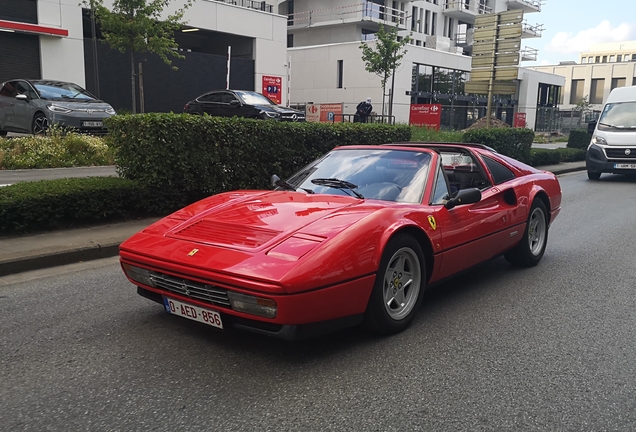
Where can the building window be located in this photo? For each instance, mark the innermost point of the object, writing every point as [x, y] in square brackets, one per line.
[604, 59]
[418, 42]
[619, 58]
[340, 73]
[427, 19]
[290, 13]
[420, 26]
[414, 19]
[618, 82]
[290, 40]
[612, 59]
[596, 92]
[583, 60]
[576, 92]
[433, 23]
[597, 59]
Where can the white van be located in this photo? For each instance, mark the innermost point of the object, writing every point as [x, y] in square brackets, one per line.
[613, 145]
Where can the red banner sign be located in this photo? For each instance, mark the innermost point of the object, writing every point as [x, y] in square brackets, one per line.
[273, 88]
[520, 120]
[428, 115]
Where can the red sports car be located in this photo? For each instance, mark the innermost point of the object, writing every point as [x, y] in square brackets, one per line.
[355, 236]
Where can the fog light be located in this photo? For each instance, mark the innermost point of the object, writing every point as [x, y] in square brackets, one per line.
[138, 275]
[252, 305]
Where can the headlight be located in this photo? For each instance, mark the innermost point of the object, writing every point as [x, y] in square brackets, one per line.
[138, 275]
[271, 114]
[58, 109]
[259, 306]
[111, 111]
[598, 140]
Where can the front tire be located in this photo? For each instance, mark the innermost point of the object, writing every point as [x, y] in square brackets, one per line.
[530, 250]
[399, 285]
[40, 124]
[593, 175]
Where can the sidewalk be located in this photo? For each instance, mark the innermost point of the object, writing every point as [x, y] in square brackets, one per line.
[33, 252]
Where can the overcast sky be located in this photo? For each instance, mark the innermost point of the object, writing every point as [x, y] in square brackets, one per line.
[571, 26]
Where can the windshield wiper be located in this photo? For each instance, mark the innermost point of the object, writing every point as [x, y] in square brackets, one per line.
[337, 184]
[288, 186]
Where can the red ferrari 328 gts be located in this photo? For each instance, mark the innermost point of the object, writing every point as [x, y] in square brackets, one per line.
[355, 236]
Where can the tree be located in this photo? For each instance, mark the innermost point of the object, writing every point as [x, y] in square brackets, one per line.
[385, 58]
[584, 107]
[136, 26]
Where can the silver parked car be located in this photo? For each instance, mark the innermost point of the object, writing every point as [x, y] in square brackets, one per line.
[31, 106]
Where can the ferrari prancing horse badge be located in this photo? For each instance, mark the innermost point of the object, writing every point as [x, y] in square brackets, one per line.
[431, 220]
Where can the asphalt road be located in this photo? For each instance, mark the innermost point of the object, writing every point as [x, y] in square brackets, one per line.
[498, 349]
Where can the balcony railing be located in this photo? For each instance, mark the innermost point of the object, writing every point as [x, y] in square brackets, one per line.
[529, 54]
[465, 7]
[531, 31]
[258, 5]
[366, 11]
[525, 5]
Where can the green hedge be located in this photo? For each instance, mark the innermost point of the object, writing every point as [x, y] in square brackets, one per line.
[214, 154]
[554, 156]
[579, 139]
[513, 142]
[66, 203]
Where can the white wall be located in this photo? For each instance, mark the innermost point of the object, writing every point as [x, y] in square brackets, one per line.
[528, 91]
[62, 58]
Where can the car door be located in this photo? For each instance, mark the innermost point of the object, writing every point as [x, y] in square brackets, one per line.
[234, 107]
[7, 105]
[24, 110]
[472, 233]
[210, 103]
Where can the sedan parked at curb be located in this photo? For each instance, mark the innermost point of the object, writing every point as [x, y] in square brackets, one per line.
[32, 106]
[240, 103]
[356, 236]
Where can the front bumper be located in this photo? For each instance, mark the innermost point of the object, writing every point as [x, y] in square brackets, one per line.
[597, 160]
[80, 121]
[298, 316]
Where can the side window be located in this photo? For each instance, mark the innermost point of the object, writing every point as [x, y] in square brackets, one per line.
[8, 89]
[227, 98]
[24, 88]
[440, 193]
[211, 97]
[499, 172]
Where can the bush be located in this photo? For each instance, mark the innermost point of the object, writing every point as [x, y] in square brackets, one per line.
[579, 139]
[542, 157]
[214, 154]
[65, 203]
[54, 150]
[513, 142]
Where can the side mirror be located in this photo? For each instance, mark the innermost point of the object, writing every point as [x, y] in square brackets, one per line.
[464, 196]
[275, 179]
[22, 97]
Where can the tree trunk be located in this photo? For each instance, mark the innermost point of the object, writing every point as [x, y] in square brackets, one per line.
[132, 79]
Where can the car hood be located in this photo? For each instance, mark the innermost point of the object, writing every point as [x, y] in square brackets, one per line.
[625, 137]
[92, 105]
[281, 109]
[275, 236]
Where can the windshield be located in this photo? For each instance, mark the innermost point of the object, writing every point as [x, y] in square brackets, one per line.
[61, 91]
[388, 175]
[618, 116]
[252, 98]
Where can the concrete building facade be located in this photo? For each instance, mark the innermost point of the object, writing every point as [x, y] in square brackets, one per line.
[324, 38]
[599, 71]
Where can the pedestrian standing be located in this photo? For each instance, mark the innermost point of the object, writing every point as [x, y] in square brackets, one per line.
[363, 110]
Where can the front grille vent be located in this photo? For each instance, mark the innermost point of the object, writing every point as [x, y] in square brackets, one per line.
[619, 153]
[188, 288]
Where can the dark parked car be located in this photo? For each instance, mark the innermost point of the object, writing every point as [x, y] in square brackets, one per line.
[248, 104]
[31, 106]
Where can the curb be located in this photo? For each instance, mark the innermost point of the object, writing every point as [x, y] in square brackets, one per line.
[55, 259]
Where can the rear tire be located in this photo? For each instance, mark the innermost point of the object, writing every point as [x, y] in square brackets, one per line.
[593, 175]
[3, 133]
[399, 286]
[530, 250]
